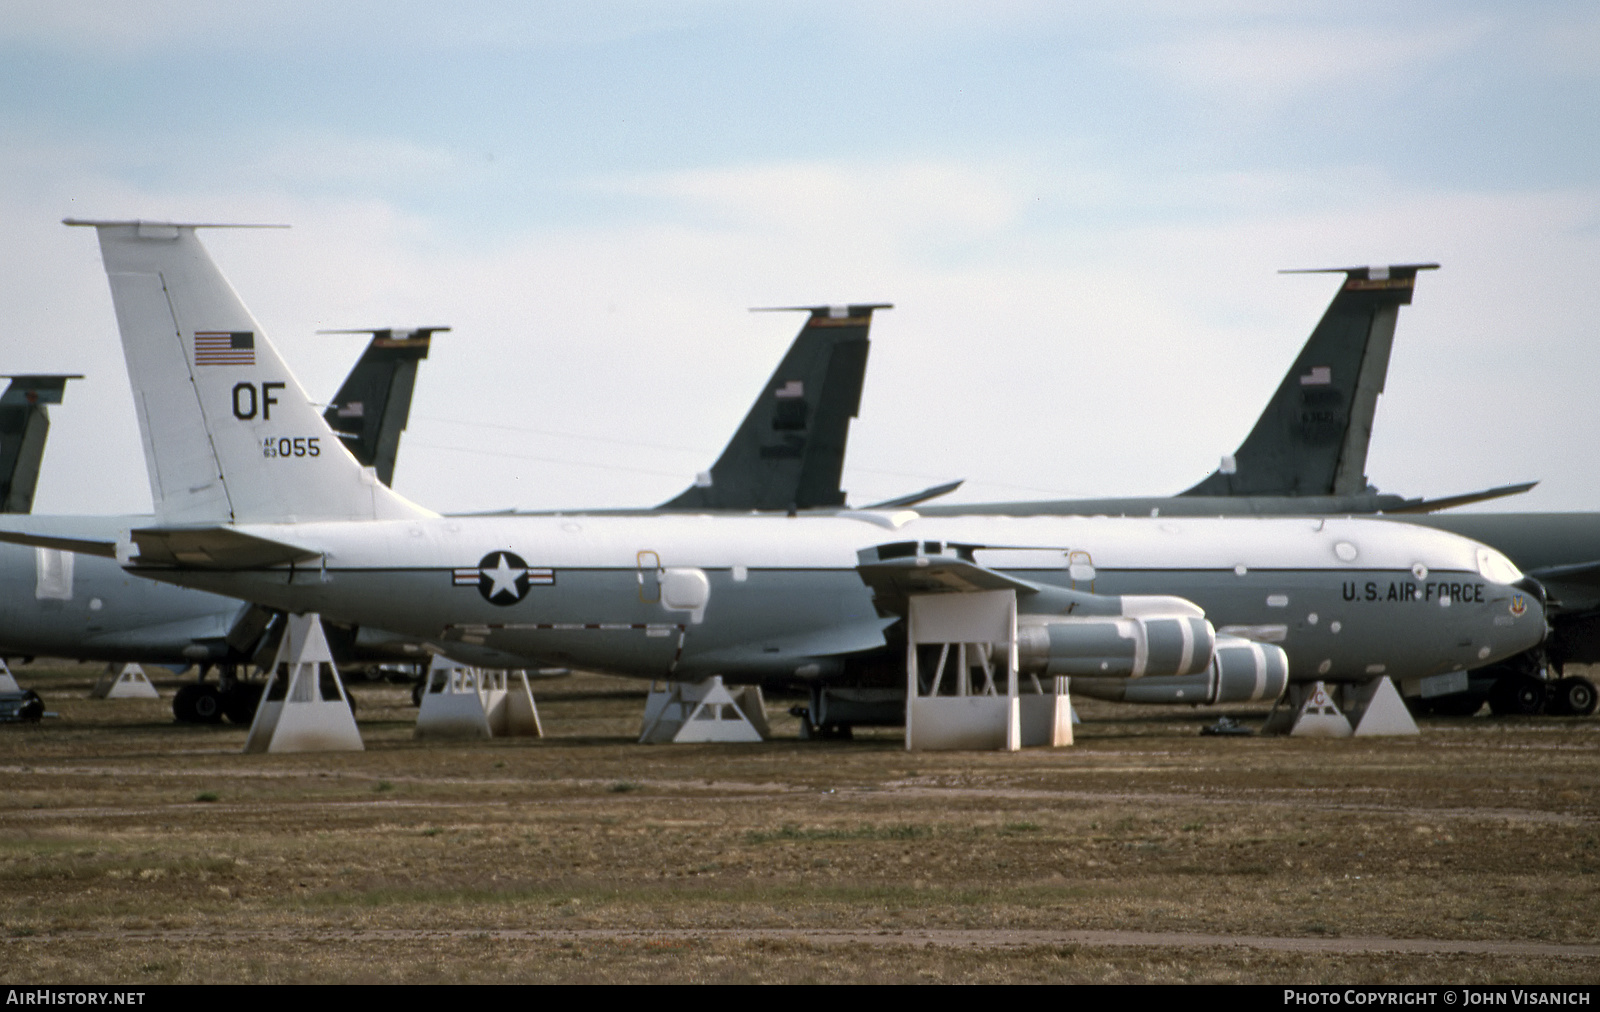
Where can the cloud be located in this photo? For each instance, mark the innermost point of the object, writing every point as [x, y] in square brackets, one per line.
[900, 199]
[1269, 64]
[1058, 330]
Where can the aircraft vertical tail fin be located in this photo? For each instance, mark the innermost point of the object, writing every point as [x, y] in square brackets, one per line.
[24, 424]
[788, 453]
[371, 409]
[1312, 438]
[229, 435]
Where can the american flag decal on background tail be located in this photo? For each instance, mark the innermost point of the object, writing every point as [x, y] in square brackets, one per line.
[221, 347]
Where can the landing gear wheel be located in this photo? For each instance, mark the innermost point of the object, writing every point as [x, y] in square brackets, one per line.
[239, 702]
[207, 705]
[1517, 696]
[183, 704]
[1573, 696]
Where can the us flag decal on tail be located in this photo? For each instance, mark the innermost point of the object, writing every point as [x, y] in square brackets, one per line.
[221, 347]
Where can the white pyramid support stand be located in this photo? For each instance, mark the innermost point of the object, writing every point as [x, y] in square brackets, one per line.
[702, 712]
[463, 702]
[1319, 717]
[128, 683]
[293, 715]
[1386, 713]
[8, 682]
[975, 631]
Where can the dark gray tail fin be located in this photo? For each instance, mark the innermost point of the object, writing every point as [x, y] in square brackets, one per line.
[24, 423]
[1312, 438]
[789, 451]
[372, 407]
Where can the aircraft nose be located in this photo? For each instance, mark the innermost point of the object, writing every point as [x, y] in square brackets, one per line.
[1528, 585]
[1530, 606]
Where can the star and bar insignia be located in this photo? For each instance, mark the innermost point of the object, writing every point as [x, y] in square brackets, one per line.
[503, 578]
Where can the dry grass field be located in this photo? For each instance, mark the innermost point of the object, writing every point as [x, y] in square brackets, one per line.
[134, 850]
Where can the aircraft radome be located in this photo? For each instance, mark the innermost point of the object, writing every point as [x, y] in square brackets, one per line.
[264, 505]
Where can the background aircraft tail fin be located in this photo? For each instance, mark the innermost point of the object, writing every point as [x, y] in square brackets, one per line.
[372, 407]
[788, 453]
[24, 424]
[229, 435]
[1312, 438]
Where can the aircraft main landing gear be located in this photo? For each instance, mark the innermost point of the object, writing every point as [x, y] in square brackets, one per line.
[1572, 696]
[198, 703]
[1517, 696]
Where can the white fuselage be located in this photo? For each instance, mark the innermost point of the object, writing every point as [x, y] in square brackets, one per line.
[1348, 599]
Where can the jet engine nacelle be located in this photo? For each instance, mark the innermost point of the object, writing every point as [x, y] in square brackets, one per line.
[1241, 671]
[1153, 637]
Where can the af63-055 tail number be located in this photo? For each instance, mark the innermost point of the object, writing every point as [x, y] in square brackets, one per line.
[290, 446]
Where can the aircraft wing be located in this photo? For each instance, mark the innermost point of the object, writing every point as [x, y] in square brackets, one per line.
[1587, 573]
[896, 571]
[1452, 501]
[933, 492]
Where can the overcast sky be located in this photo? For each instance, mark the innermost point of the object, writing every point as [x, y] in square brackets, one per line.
[1078, 210]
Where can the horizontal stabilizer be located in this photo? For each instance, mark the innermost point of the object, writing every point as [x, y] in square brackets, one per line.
[914, 498]
[160, 229]
[84, 546]
[1452, 501]
[213, 548]
[1403, 274]
[34, 388]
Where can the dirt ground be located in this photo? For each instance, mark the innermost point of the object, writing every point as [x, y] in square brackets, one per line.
[134, 850]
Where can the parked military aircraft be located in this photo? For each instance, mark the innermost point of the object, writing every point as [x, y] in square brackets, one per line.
[62, 604]
[787, 454]
[24, 424]
[252, 500]
[1562, 552]
[1307, 455]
